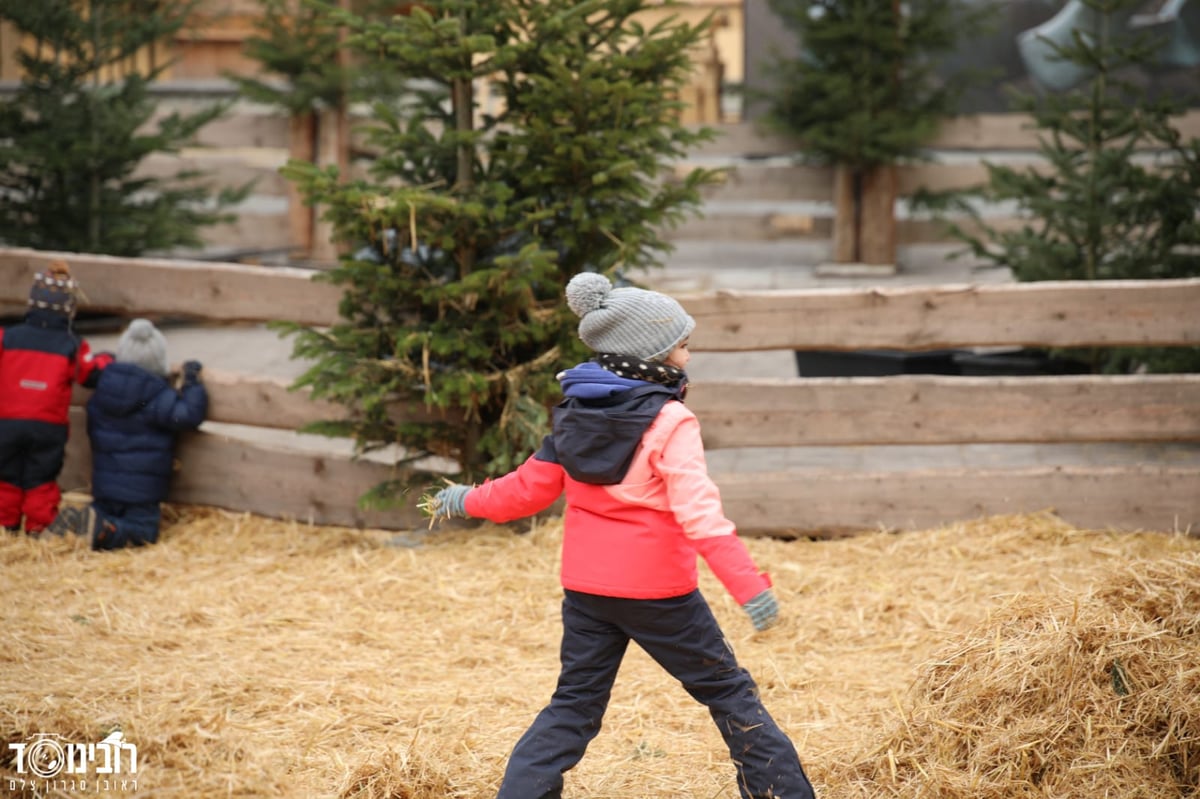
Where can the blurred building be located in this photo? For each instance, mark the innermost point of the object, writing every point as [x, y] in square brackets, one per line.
[212, 46]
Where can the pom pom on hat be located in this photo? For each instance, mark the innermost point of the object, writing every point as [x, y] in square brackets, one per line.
[143, 345]
[586, 292]
[626, 321]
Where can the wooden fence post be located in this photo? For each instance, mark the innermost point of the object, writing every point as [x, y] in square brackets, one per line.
[302, 146]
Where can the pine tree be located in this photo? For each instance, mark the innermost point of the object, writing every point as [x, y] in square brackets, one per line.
[79, 126]
[1119, 194]
[864, 93]
[298, 43]
[305, 70]
[471, 223]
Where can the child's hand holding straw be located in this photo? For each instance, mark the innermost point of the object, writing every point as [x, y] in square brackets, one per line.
[447, 503]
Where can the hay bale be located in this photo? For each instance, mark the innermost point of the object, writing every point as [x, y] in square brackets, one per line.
[1166, 593]
[1060, 696]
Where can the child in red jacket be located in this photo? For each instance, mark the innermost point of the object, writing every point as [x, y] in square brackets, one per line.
[640, 508]
[40, 360]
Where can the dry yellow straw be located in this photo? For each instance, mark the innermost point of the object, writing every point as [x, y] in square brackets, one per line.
[253, 657]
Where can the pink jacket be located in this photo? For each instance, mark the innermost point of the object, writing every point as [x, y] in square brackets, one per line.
[639, 538]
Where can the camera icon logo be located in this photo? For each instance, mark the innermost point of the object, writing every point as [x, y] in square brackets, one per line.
[45, 755]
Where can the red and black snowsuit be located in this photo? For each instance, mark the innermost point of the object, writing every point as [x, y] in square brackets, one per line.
[40, 360]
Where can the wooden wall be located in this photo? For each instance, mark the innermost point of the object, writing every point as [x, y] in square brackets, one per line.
[858, 413]
[768, 193]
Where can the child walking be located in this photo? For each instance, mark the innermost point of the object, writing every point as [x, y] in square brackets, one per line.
[40, 359]
[134, 416]
[640, 508]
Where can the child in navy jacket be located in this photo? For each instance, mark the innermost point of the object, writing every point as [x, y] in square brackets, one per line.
[134, 416]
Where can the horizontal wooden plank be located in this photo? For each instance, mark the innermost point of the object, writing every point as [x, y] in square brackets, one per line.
[766, 183]
[760, 223]
[910, 409]
[258, 401]
[225, 168]
[755, 226]
[270, 402]
[1134, 497]
[231, 473]
[246, 125]
[1014, 131]
[322, 488]
[1051, 313]
[984, 132]
[160, 287]
[947, 410]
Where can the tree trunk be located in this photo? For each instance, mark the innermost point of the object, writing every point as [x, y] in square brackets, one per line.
[302, 146]
[464, 177]
[846, 187]
[464, 122]
[877, 219]
[864, 225]
[333, 147]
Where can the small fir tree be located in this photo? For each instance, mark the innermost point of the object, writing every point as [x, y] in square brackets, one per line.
[864, 91]
[79, 125]
[297, 44]
[306, 70]
[1119, 194]
[470, 224]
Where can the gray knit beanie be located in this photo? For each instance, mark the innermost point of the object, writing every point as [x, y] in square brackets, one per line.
[141, 344]
[627, 321]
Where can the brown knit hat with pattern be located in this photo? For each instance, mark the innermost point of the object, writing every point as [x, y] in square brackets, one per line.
[54, 290]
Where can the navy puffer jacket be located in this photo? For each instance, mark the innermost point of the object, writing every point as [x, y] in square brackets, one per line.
[133, 417]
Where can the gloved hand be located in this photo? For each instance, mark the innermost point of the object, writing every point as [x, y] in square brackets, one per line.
[450, 502]
[763, 610]
[191, 371]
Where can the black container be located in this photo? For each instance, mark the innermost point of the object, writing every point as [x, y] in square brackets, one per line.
[1017, 363]
[874, 363]
[881, 363]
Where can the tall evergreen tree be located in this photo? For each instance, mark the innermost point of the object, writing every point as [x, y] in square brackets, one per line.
[79, 125]
[1119, 193]
[473, 222]
[864, 92]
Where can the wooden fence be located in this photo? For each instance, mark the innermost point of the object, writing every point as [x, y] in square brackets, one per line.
[323, 486]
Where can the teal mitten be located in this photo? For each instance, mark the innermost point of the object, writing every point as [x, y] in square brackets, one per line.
[763, 610]
[450, 502]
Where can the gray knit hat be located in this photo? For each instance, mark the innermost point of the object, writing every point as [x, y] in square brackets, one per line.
[627, 321]
[141, 344]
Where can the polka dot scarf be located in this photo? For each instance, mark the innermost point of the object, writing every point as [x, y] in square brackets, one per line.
[638, 369]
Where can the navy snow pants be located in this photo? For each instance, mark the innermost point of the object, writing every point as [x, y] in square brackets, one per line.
[683, 637]
[31, 458]
[125, 525]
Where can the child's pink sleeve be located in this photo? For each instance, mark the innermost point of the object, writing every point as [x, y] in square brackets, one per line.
[732, 564]
[530, 488]
[696, 503]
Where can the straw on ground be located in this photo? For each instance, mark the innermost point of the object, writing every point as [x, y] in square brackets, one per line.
[1011, 656]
